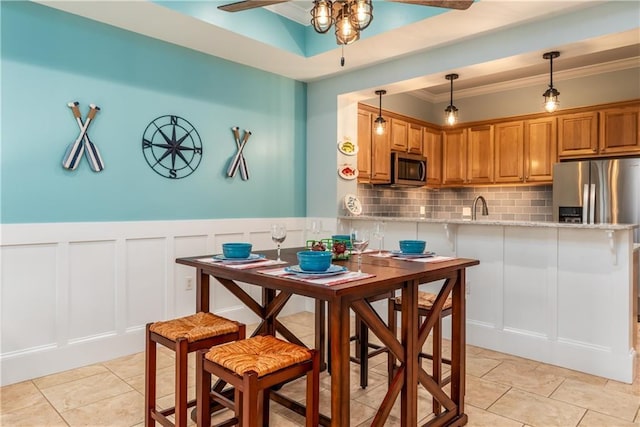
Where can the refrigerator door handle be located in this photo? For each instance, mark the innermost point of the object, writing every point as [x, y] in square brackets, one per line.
[585, 204]
[592, 204]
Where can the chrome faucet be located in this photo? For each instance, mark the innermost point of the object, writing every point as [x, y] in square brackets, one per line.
[485, 210]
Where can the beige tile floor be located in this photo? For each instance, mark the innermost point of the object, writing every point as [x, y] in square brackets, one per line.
[502, 390]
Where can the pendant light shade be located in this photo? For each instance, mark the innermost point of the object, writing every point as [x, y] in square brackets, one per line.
[361, 13]
[346, 32]
[551, 95]
[322, 16]
[451, 112]
[380, 124]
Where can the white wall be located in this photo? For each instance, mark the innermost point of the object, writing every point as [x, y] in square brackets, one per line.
[79, 293]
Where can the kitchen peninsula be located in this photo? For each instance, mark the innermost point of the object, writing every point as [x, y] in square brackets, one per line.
[562, 294]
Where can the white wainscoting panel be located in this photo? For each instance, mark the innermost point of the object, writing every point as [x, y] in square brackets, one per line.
[74, 294]
[484, 281]
[528, 253]
[29, 301]
[92, 289]
[148, 292]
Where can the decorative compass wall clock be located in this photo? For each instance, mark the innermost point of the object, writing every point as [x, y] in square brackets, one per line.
[172, 147]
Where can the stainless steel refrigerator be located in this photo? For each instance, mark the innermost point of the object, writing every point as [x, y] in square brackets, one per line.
[597, 191]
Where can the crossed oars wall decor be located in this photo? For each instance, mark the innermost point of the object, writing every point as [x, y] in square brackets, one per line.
[83, 143]
[239, 161]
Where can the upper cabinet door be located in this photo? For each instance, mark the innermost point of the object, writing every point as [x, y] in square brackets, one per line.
[432, 144]
[578, 134]
[509, 146]
[480, 155]
[454, 157]
[414, 142]
[364, 145]
[620, 130]
[540, 149]
[381, 158]
[399, 134]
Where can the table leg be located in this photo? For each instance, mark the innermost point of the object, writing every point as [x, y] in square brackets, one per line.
[320, 328]
[458, 343]
[409, 401]
[267, 297]
[202, 291]
[339, 317]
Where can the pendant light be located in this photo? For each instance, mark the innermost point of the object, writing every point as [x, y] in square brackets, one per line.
[322, 16]
[349, 17]
[380, 124]
[551, 94]
[346, 32]
[451, 112]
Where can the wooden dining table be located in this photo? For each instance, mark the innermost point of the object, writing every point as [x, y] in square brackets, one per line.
[386, 274]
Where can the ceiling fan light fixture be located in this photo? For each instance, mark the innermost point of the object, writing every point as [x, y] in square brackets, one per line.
[322, 16]
[380, 124]
[451, 112]
[346, 33]
[551, 95]
[361, 13]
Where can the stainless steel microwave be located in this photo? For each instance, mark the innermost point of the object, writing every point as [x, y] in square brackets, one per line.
[408, 169]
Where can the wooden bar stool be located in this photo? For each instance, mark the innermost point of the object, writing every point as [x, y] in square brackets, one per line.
[253, 366]
[183, 335]
[425, 304]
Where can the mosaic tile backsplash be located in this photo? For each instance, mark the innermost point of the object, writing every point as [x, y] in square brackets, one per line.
[520, 203]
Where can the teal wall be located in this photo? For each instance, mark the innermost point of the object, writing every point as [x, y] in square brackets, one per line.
[50, 58]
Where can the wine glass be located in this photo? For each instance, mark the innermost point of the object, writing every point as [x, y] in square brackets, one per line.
[359, 242]
[278, 234]
[378, 234]
[316, 229]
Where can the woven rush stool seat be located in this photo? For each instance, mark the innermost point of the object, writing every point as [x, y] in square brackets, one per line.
[425, 305]
[182, 335]
[253, 366]
[426, 300]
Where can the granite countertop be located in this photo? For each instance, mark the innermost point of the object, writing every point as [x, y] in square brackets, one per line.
[495, 222]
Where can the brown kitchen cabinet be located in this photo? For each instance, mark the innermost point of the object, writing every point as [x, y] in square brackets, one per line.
[365, 126]
[540, 149]
[414, 140]
[620, 130]
[399, 134]
[380, 158]
[374, 151]
[480, 155]
[454, 157]
[525, 150]
[432, 150]
[509, 151]
[578, 134]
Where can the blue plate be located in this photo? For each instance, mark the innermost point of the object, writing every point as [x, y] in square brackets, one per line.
[332, 270]
[250, 258]
[401, 254]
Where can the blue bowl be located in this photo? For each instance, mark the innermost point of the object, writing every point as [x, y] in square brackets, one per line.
[343, 238]
[412, 246]
[314, 260]
[236, 250]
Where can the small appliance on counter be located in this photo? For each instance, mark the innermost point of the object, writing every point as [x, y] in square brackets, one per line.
[598, 191]
[408, 169]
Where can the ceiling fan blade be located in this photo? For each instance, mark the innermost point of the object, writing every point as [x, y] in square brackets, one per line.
[449, 4]
[248, 4]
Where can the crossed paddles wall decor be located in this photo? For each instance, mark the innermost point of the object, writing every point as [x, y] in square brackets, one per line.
[239, 161]
[83, 143]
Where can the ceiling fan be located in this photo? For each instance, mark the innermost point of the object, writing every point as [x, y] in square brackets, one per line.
[252, 4]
